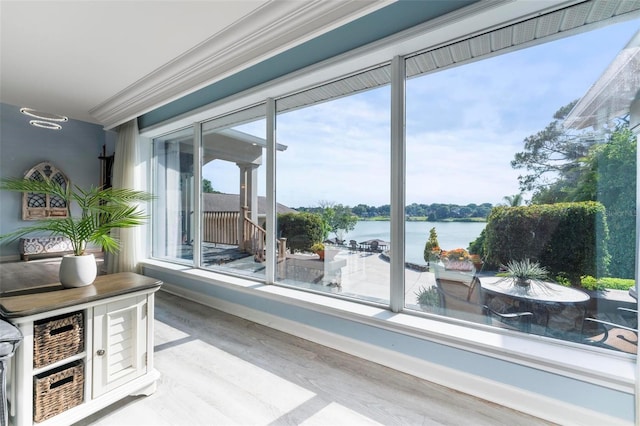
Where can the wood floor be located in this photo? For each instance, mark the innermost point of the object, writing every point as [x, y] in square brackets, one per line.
[218, 369]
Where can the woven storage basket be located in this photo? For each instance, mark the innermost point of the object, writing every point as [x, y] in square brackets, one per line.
[57, 390]
[57, 338]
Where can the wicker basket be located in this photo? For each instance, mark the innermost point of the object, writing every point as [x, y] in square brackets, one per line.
[57, 338]
[57, 390]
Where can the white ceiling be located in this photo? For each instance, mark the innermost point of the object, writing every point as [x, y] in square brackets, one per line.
[87, 59]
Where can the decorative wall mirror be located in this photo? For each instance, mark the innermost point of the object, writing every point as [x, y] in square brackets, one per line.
[39, 206]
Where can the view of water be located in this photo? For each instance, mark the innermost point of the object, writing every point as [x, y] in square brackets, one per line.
[451, 235]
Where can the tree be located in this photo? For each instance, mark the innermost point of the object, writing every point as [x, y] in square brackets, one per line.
[551, 153]
[207, 187]
[513, 200]
[338, 219]
[612, 181]
[431, 245]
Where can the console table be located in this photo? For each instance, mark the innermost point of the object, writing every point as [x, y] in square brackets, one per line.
[83, 348]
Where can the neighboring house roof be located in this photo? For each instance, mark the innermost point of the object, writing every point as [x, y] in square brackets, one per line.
[231, 203]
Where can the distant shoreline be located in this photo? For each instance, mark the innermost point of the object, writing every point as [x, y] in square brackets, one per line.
[424, 219]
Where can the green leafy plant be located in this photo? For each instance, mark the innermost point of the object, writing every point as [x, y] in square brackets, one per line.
[428, 297]
[317, 247]
[101, 211]
[432, 246]
[523, 271]
[590, 283]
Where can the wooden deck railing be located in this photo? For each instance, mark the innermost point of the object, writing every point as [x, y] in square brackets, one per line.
[254, 238]
[222, 228]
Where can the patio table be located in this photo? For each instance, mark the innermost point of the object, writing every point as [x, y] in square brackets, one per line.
[542, 293]
[538, 291]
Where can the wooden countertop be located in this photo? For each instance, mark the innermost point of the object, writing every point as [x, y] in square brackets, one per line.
[35, 300]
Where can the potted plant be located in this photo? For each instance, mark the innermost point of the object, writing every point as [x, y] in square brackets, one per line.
[456, 259]
[522, 272]
[428, 299]
[318, 248]
[101, 211]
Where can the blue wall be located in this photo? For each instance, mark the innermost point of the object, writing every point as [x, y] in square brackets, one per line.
[74, 150]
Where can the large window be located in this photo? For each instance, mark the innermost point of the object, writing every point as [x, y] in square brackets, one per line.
[336, 161]
[503, 169]
[519, 168]
[173, 209]
[233, 193]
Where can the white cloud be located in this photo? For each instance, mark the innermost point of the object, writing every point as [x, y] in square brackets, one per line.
[464, 126]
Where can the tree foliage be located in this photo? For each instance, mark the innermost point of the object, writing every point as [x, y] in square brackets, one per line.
[571, 167]
[612, 181]
[301, 230]
[431, 245]
[551, 157]
[513, 200]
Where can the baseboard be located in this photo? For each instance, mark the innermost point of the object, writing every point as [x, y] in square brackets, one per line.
[512, 397]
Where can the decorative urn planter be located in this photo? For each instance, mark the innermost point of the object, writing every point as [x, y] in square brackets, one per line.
[78, 271]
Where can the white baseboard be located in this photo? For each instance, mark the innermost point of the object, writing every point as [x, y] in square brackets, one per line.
[537, 405]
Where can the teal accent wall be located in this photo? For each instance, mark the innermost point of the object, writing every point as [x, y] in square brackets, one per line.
[382, 23]
[74, 150]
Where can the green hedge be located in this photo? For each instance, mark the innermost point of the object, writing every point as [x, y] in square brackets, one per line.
[301, 230]
[568, 239]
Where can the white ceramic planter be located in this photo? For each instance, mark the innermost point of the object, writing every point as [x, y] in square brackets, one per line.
[78, 271]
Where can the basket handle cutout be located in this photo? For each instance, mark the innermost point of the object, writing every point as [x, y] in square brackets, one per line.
[62, 329]
[61, 382]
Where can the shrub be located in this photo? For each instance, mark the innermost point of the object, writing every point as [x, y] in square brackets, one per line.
[566, 238]
[301, 230]
[590, 283]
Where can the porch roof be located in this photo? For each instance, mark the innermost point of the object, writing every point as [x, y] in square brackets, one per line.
[231, 203]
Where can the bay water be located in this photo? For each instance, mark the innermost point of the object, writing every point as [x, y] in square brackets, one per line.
[451, 235]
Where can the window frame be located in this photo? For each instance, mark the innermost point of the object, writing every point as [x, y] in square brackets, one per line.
[470, 22]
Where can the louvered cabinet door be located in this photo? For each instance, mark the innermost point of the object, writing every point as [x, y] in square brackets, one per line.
[120, 343]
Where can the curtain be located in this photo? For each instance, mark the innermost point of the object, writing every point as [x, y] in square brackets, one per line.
[124, 176]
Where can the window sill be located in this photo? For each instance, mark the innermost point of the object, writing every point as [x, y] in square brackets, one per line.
[592, 365]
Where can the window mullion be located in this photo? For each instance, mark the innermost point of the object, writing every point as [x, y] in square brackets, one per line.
[271, 193]
[397, 183]
[197, 195]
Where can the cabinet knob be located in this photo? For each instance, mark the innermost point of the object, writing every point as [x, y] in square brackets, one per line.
[100, 352]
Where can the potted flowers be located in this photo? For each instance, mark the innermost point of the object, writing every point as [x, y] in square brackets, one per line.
[318, 248]
[101, 210]
[457, 259]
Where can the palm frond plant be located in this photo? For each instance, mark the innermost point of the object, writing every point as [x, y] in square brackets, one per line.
[101, 211]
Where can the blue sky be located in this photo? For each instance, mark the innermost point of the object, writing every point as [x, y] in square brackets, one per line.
[463, 127]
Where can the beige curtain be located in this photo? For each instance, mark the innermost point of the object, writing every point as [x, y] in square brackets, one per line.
[124, 176]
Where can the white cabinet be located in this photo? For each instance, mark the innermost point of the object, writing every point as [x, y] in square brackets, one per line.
[119, 343]
[114, 360]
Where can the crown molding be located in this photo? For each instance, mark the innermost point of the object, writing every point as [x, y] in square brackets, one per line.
[269, 30]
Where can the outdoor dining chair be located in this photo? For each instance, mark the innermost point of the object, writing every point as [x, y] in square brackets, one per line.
[463, 299]
[613, 335]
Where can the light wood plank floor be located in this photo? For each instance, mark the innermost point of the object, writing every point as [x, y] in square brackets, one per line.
[218, 369]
